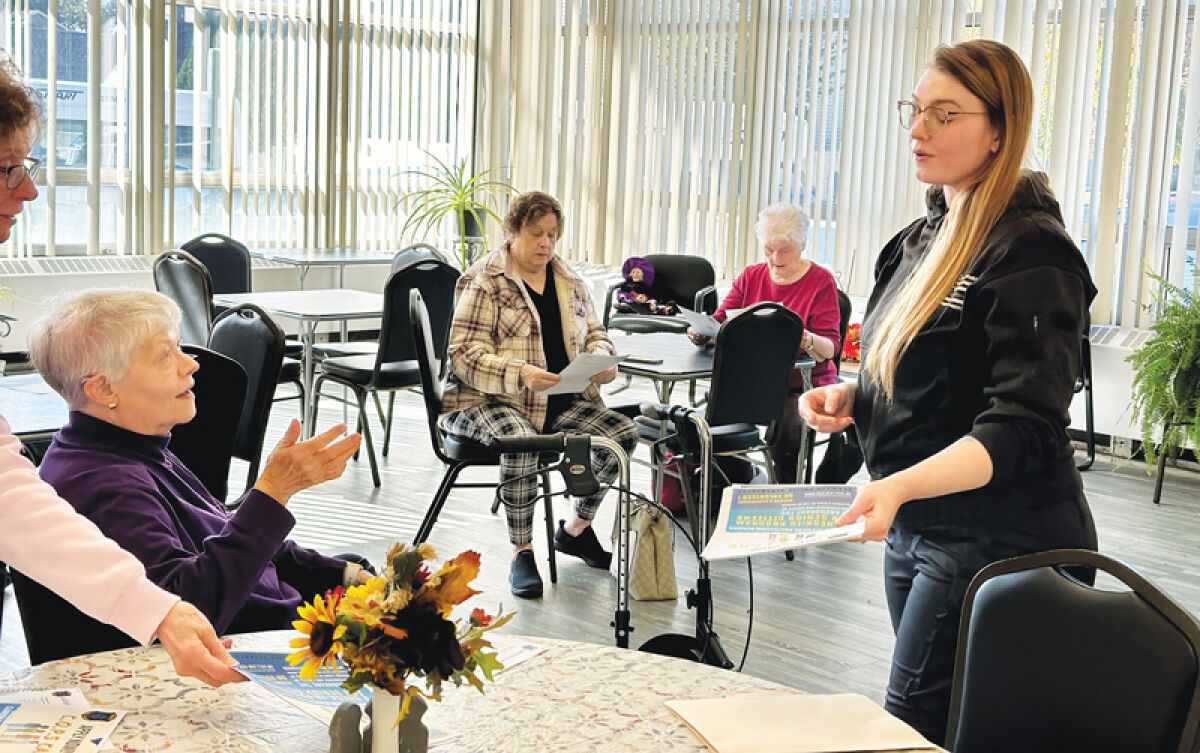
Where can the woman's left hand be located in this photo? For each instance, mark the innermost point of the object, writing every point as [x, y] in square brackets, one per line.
[606, 376]
[878, 502]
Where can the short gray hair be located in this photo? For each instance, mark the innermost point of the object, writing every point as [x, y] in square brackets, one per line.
[95, 332]
[783, 223]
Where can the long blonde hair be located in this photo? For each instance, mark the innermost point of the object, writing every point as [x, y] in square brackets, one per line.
[995, 74]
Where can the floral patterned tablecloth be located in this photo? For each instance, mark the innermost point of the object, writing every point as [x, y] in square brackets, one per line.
[572, 697]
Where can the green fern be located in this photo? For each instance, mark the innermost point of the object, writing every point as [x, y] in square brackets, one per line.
[1166, 379]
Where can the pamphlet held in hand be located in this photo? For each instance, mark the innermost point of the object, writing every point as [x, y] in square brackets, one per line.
[702, 323]
[577, 377]
[761, 518]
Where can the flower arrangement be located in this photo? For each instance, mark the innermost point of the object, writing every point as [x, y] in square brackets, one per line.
[394, 628]
[852, 348]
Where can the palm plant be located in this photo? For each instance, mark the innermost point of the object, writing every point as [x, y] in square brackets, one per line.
[1166, 379]
[450, 188]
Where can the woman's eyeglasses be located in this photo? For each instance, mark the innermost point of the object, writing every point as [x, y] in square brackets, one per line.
[935, 117]
[14, 175]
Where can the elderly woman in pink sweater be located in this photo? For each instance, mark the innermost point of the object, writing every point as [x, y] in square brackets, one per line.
[804, 287]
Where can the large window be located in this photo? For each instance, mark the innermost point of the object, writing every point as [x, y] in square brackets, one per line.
[666, 126]
[288, 123]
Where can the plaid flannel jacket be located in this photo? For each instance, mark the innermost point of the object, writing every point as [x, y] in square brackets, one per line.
[496, 330]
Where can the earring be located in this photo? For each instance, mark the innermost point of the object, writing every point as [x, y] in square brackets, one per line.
[112, 405]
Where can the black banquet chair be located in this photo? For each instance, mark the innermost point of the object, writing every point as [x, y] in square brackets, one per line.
[227, 261]
[1048, 662]
[205, 444]
[687, 280]
[752, 365]
[457, 452]
[393, 366]
[184, 279]
[249, 336]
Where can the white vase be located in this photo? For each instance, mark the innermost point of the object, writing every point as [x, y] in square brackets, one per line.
[385, 733]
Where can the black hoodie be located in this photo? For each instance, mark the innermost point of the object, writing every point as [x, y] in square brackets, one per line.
[997, 361]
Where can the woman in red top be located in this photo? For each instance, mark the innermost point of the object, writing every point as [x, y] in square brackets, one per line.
[804, 287]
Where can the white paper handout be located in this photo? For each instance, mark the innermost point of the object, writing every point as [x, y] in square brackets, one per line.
[702, 323]
[578, 374]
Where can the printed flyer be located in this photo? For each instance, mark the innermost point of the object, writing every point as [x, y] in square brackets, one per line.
[761, 518]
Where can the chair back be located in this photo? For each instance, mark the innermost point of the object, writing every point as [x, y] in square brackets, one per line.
[1047, 662]
[227, 260]
[416, 252]
[181, 277]
[436, 280]
[249, 336]
[54, 629]
[755, 353]
[205, 444]
[430, 367]
[678, 277]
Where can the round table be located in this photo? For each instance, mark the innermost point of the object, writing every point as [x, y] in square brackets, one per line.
[571, 697]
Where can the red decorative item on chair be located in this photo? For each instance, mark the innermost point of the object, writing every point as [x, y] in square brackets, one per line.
[852, 348]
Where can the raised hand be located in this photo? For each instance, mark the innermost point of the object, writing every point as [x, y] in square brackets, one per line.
[295, 465]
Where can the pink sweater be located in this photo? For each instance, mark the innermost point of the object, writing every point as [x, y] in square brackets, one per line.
[48, 541]
[813, 297]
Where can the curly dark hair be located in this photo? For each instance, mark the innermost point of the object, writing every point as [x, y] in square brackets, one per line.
[531, 207]
[21, 107]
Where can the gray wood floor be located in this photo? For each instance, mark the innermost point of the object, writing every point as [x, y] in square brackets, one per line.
[820, 622]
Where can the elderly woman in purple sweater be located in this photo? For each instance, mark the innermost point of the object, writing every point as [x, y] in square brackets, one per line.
[114, 357]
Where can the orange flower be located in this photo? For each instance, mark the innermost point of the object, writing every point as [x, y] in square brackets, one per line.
[450, 585]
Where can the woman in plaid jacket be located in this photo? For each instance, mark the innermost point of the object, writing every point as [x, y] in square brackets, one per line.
[520, 317]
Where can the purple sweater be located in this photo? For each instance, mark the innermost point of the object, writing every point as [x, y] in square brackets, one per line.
[238, 569]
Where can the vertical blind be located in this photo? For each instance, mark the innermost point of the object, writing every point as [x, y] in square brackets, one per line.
[664, 127]
[287, 123]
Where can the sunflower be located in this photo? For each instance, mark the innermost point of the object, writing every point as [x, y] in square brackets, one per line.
[322, 635]
[366, 601]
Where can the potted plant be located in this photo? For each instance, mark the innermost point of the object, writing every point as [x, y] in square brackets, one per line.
[1166, 378]
[451, 189]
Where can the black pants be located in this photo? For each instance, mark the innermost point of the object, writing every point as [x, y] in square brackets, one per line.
[926, 578]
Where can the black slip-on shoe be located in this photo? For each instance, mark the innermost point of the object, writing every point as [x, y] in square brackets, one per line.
[585, 546]
[523, 576]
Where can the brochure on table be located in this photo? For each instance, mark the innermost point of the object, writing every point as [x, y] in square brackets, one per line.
[761, 518]
[49, 722]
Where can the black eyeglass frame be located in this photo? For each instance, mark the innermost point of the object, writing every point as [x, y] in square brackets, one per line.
[917, 111]
[29, 166]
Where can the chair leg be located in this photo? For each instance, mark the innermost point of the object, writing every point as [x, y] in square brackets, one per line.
[550, 528]
[439, 501]
[303, 401]
[364, 425]
[624, 386]
[387, 427]
[379, 409]
[309, 424]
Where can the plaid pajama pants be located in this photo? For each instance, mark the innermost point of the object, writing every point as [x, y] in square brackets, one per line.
[486, 420]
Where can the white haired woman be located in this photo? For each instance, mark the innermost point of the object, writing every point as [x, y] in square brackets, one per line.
[804, 287]
[43, 536]
[114, 357]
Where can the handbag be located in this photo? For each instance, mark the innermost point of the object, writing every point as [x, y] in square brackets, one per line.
[652, 556]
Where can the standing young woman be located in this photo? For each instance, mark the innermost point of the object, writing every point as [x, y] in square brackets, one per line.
[970, 349]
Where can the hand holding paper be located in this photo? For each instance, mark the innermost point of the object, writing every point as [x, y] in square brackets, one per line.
[702, 323]
[577, 377]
